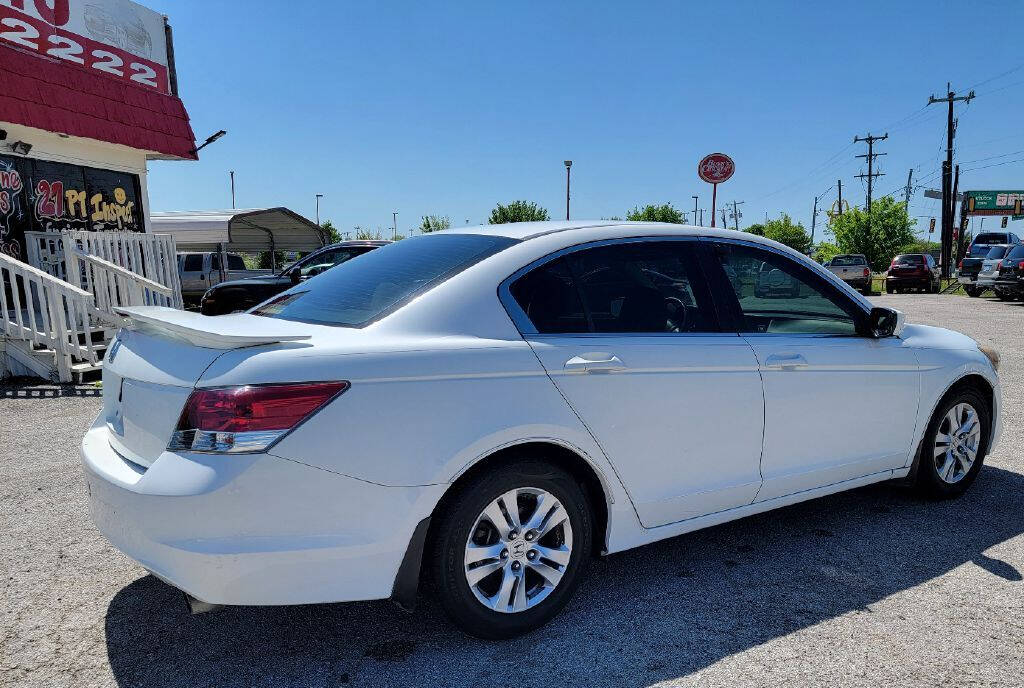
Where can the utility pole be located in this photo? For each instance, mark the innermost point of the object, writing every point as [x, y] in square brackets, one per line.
[394, 225]
[318, 197]
[871, 155]
[232, 173]
[840, 183]
[908, 190]
[736, 215]
[814, 219]
[701, 217]
[568, 166]
[694, 209]
[724, 223]
[948, 200]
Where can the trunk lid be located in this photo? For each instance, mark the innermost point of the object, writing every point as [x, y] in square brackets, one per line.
[152, 366]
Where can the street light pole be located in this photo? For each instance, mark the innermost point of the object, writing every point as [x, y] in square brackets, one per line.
[394, 225]
[694, 209]
[568, 167]
[318, 197]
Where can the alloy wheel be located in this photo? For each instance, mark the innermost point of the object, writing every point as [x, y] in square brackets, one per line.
[518, 550]
[957, 442]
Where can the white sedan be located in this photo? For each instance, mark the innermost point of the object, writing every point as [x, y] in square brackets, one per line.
[491, 407]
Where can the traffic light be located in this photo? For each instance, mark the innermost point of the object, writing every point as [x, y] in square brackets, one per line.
[963, 223]
[1017, 208]
[970, 204]
[1003, 225]
[931, 226]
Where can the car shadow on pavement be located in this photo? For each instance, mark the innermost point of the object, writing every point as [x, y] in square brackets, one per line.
[642, 616]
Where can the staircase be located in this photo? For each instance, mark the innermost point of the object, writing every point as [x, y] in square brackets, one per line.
[57, 315]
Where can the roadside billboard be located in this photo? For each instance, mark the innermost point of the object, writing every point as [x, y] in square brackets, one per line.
[118, 38]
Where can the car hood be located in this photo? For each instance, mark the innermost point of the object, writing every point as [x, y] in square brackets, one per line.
[928, 337]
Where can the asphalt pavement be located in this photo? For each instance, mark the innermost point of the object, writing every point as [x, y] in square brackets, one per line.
[867, 588]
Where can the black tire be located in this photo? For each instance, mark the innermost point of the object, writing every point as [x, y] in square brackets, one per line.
[1004, 296]
[928, 481]
[973, 292]
[446, 548]
[888, 288]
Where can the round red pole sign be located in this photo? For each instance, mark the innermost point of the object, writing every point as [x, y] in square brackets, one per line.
[715, 169]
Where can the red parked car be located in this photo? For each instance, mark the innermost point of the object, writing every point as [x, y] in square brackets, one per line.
[913, 271]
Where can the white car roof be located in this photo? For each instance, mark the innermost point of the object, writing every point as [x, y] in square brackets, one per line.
[524, 231]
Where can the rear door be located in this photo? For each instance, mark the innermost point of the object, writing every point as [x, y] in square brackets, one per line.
[628, 333]
[838, 405]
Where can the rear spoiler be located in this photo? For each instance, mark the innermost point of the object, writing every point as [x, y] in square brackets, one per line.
[212, 332]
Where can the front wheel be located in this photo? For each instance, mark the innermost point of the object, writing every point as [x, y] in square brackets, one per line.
[510, 547]
[954, 445]
[973, 292]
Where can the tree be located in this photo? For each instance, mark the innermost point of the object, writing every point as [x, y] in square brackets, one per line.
[517, 211]
[330, 233]
[434, 223]
[880, 236]
[921, 246]
[825, 251]
[785, 232]
[656, 213]
[365, 234]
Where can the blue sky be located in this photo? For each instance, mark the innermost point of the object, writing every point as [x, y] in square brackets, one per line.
[449, 108]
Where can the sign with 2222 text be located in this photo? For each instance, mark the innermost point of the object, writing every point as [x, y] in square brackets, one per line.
[117, 38]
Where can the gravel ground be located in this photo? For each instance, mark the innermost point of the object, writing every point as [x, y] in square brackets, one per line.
[871, 587]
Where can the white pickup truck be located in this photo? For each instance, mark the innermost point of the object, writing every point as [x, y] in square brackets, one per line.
[200, 271]
[853, 269]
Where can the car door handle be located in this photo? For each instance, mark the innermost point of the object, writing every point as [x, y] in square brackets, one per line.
[594, 362]
[785, 362]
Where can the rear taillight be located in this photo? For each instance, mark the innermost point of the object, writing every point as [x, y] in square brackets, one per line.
[867, 272]
[960, 265]
[999, 265]
[251, 418]
[1020, 265]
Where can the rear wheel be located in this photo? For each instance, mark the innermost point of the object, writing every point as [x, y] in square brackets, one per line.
[888, 288]
[954, 445]
[1003, 295]
[510, 548]
[973, 292]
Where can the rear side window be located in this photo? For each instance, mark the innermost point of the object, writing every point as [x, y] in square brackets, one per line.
[1016, 252]
[359, 292]
[647, 287]
[235, 262]
[193, 262]
[997, 252]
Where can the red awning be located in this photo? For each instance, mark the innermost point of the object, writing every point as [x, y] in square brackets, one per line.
[57, 96]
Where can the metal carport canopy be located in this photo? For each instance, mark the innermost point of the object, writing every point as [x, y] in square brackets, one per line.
[248, 231]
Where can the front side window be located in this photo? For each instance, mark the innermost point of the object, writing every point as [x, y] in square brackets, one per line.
[647, 287]
[383, 280]
[322, 262]
[193, 262]
[235, 262]
[776, 295]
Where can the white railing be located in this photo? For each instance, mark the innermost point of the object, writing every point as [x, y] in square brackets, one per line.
[151, 257]
[112, 285]
[39, 308]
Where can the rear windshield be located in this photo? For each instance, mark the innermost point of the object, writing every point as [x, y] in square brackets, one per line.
[842, 261]
[358, 292]
[997, 252]
[912, 258]
[1016, 252]
[990, 238]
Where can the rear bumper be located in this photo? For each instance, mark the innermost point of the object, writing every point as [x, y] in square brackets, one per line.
[907, 279]
[253, 529]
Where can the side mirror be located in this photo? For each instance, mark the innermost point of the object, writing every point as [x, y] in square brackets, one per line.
[885, 322]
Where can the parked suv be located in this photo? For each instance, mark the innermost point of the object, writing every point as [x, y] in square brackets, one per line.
[1009, 284]
[243, 294]
[913, 271]
[976, 280]
[981, 244]
[852, 269]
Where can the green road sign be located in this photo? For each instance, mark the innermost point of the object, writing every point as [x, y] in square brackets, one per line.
[993, 203]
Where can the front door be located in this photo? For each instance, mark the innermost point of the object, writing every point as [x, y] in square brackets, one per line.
[838, 405]
[628, 334]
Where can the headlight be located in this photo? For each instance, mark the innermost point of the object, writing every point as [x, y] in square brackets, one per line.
[991, 354]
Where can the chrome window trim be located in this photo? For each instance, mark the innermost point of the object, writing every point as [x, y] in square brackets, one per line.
[526, 327]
